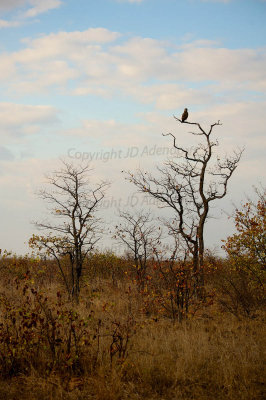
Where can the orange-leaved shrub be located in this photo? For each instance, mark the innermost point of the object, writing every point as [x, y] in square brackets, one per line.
[244, 278]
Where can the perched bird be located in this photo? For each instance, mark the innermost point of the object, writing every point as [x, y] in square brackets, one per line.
[184, 115]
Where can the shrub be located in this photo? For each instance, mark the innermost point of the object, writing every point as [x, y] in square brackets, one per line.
[244, 280]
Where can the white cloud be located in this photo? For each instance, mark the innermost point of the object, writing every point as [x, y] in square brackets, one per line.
[33, 8]
[19, 181]
[112, 133]
[170, 96]
[148, 70]
[9, 24]
[41, 6]
[55, 59]
[19, 119]
[5, 154]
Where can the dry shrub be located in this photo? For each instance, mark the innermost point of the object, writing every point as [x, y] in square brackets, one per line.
[236, 292]
[38, 334]
[243, 280]
[105, 266]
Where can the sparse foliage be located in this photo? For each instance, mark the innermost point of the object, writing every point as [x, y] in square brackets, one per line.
[74, 203]
[140, 237]
[174, 284]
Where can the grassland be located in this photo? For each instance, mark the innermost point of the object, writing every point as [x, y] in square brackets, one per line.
[115, 344]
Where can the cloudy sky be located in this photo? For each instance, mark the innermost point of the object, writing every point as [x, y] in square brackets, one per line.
[93, 78]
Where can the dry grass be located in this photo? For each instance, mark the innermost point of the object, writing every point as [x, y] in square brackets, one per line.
[211, 356]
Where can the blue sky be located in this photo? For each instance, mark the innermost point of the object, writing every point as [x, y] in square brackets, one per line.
[237, 23]
[109, 74]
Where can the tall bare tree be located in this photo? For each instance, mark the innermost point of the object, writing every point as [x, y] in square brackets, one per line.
[187, 184]
[74, 204]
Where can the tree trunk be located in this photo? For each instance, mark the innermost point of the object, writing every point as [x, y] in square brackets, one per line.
[78, 271]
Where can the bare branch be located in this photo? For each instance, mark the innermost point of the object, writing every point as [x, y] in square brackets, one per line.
[75, 203]
[185, 185]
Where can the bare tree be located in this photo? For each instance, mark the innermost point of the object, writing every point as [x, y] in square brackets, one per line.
[187, 185]
[75, 204]
[140, 238]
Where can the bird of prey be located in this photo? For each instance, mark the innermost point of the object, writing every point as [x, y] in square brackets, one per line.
[184, 115]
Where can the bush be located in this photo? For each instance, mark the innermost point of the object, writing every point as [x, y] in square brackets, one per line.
[244, 280]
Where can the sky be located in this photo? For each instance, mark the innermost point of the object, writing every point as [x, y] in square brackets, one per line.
[87, 79]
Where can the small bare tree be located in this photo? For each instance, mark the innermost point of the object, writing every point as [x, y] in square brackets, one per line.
[140, 237]
[187, 185]
[74, 203]
[173, 282]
